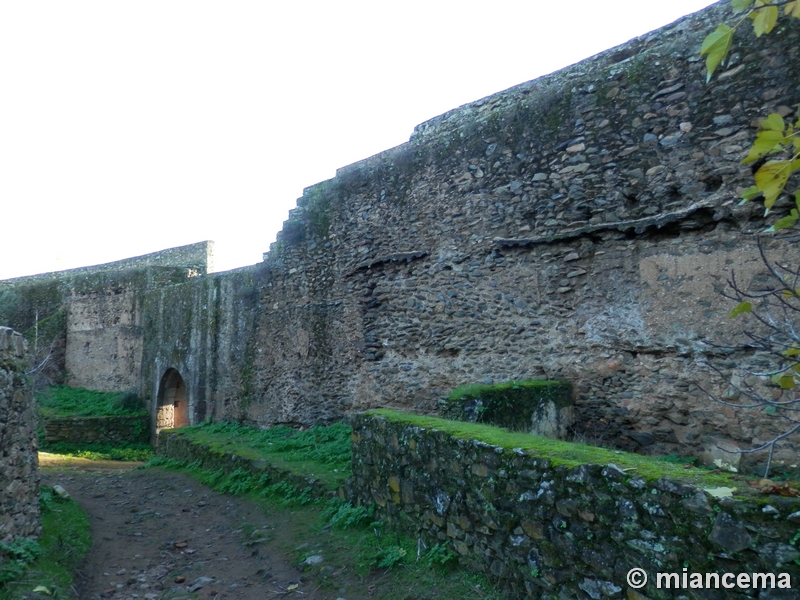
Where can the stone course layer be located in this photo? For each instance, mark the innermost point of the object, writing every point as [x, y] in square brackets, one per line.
[19, 465]
[98, 430]
[544, 528]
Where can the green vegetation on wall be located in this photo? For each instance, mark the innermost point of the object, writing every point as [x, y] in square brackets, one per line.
[561, 453]
[63, 401]
[511, 404]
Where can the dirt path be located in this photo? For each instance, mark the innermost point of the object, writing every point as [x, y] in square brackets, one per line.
[160, 535]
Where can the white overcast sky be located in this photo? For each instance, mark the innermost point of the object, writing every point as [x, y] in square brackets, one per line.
[130, 127]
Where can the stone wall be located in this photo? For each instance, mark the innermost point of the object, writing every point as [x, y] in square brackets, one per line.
[98, 430]
[19, 465]
[545, 526]
[86, 323]
[579, 227]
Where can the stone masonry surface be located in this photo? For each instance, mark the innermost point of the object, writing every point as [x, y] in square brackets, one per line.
[547, 531]
[98, 430]
[579, 227]
[19, 466]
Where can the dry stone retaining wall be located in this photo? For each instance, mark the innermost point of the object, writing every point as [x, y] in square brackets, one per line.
[19, 466]
[549, 531]
[98, 430]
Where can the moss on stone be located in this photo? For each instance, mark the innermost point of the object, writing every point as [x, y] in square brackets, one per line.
[510, 404]
[566, 454]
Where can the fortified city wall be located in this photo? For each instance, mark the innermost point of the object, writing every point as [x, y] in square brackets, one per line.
[87, 322]
[579, 226]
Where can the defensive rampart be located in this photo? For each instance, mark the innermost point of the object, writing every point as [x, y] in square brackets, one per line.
[579, 226]
[87, 322]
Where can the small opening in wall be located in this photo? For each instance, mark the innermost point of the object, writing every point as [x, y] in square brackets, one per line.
[173, 403]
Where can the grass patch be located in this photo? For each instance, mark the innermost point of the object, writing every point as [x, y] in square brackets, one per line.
[62, 401]
[123, 452]
[348, 538]
[561, 453]
[66, 539]
[320, 452]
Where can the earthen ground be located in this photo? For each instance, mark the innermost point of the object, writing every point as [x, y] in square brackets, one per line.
[161, 535]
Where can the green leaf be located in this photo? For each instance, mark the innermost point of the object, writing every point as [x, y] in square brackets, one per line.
[741, 5]
[774, 122]
[766, 142]
[770, 410]
[765, 20]
[793, 351]
[786, 382]
[785, 222]
[720, 492]
[749, 194]
[793, 9]
[743, 307]
[771, 178]
[716, 45]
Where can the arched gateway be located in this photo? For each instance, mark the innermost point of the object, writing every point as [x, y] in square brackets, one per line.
[173, 404]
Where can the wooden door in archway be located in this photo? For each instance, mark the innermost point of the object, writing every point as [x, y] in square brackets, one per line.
[173, 404]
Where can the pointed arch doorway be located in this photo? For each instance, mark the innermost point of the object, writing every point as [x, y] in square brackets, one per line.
[173, 403]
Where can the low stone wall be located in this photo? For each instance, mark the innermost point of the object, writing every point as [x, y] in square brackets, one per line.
[548, 527]
[98, 430]
[19, 466]
[172, 444]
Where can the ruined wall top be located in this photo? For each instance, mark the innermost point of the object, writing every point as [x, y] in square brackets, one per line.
[198, 257]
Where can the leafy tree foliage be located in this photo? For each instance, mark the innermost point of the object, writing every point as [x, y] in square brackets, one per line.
[775, 137]
[775, 311]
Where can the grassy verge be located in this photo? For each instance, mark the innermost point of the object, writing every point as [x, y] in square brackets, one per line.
[121, 452]
[319, 452]
[65, 541]
[63, 401]
[349, 538]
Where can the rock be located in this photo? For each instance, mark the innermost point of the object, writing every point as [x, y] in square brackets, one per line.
[199, 583]
[698, 504]
[642, 437]
[312, 561]
[61, 492]
[721, 453]
[729, 534]
[778, 554]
